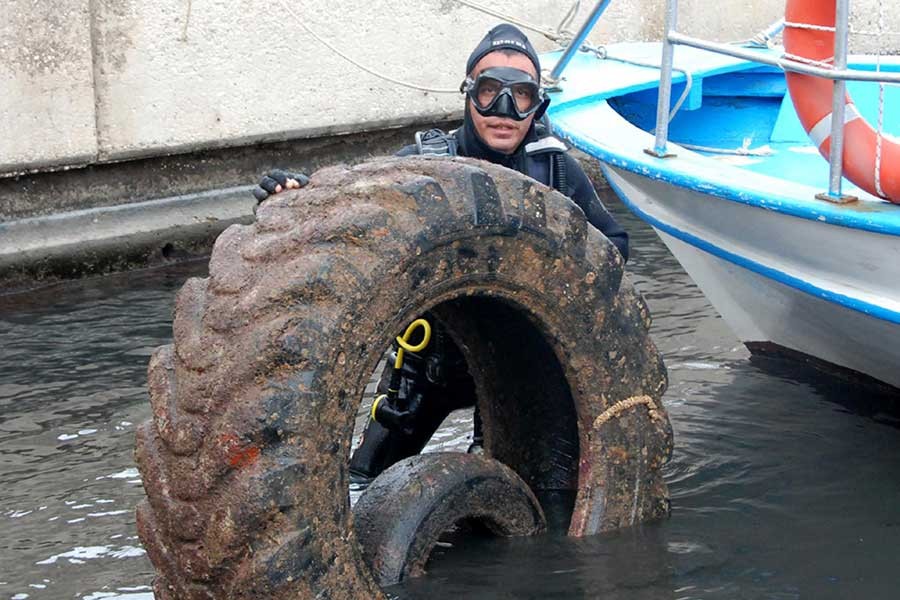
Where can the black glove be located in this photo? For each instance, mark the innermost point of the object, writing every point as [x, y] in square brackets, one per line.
[277, 181]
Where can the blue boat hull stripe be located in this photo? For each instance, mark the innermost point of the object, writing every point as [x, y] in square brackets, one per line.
[867, 308]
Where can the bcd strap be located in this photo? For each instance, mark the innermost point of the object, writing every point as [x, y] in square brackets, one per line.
[556, 151]
[545, 144]
[435, 142]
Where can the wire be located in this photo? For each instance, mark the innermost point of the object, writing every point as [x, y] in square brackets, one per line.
[568, 18]
[359, 65]
[548, 33]
[556, 36]
[559, 36]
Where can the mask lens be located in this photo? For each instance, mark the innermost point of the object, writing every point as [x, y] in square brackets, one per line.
[486, 91]
[525, 95]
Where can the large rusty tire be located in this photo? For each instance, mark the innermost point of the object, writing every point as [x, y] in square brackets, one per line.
[401, 515]
[244, 461]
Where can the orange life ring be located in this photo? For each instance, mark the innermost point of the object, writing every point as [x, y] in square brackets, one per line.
[812, 98]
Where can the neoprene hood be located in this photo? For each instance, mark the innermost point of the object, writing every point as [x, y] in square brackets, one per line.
[508, 37]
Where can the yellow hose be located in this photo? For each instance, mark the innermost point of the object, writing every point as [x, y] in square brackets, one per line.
[404, 344]
[375, 406]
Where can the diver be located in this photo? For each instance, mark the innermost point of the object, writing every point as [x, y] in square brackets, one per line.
[503, 123]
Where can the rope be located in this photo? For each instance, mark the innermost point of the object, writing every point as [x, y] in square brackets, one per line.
[881, 31]
[809, 26]
[619, 407]
[828, 63]
[358, 65]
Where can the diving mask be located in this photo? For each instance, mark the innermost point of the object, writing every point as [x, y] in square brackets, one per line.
[505, 92]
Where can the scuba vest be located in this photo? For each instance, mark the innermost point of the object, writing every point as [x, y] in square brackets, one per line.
[436, 142]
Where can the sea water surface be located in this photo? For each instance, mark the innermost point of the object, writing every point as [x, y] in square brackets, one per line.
[785, 483]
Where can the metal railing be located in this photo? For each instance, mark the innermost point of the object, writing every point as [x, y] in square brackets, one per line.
[839, 73]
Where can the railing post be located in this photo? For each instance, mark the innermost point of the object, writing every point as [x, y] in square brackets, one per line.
[665, 83]
[838, 106]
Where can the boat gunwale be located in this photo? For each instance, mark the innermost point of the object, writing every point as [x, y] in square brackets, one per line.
[697, 172]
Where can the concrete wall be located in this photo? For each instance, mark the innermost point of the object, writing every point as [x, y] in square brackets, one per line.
[87, 81]
[46, 84]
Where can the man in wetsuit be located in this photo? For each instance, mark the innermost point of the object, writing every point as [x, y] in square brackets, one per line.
[502, 124]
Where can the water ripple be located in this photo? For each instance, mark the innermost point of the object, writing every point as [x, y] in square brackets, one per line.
[783, 484]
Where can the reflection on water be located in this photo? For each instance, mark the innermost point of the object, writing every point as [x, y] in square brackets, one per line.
[784, 483]
[72, 388]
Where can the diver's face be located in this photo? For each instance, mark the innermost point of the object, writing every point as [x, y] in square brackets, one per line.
[500, 133]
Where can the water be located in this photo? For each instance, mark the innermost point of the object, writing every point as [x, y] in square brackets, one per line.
[784, 483]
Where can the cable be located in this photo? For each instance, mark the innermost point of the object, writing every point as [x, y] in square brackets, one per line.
[569, 17]
[547, 33]
[558, 36]
[361, 66]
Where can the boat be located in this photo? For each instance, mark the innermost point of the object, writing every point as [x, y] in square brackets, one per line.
[797, 259]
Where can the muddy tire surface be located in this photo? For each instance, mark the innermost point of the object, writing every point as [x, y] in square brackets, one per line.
[245, 458]
[401, 515]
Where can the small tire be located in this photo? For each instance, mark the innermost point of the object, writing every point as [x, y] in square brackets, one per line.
[245, 459]
[401, 515]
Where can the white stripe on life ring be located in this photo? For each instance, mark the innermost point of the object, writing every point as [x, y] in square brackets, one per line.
[820, 133]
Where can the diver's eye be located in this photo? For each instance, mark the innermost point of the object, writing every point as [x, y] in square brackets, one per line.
[487, 91]
[523, 91]
[524, 95]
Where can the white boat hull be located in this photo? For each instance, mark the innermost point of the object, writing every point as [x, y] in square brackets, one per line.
[818, 289]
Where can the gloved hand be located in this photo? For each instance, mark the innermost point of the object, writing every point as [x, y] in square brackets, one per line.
[277, 181]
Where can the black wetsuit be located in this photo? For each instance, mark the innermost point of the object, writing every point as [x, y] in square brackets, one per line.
[537, 166]
[453, 388]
